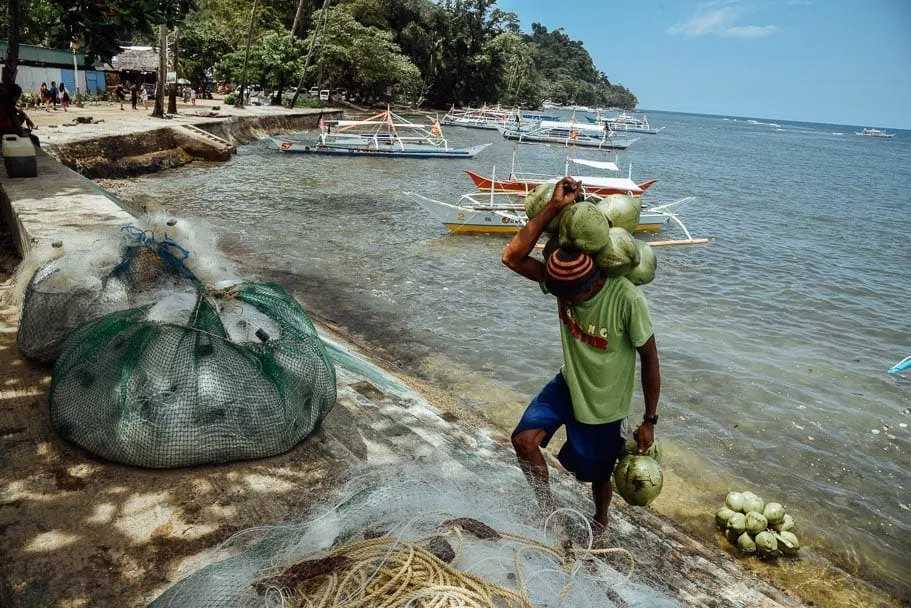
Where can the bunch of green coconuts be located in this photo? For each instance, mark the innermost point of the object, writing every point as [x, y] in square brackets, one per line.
[754, 526]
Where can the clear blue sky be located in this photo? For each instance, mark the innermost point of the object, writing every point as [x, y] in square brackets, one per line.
[834, 61]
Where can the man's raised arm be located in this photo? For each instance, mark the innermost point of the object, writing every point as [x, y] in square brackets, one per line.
[516, 255]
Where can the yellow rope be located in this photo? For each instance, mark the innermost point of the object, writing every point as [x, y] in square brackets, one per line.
[386, 572]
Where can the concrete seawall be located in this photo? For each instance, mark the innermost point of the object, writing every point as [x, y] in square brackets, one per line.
[154, 145]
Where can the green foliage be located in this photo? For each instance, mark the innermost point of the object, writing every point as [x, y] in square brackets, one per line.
[361, 58]
[98, 27]
[230, 99]
[435, 52]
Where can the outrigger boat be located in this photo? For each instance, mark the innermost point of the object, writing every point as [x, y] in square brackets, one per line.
[874, 133]
[385, 134]
[524, 183]
[568, 134]
[629, 123]
[504, 213]
[491, 119]
[478, 212]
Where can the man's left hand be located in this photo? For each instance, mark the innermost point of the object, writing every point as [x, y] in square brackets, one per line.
[645, 435]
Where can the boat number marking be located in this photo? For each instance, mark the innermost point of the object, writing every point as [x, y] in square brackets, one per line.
[286, 145]
[461, 217]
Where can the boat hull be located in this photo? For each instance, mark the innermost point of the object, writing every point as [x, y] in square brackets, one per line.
[601, 144]
[526, 186]
[384, 152]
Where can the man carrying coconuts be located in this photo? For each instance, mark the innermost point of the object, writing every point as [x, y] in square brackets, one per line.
[604, 322]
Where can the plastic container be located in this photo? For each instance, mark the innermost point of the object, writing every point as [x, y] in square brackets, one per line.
[19, 157]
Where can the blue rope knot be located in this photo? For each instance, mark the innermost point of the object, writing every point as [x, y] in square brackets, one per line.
[171, 254]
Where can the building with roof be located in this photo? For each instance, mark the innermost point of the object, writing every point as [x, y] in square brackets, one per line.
[39, 64]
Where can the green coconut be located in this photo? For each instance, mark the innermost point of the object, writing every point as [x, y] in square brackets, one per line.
[734, 501]
[643, 273]
[621, 256]
[738, 523]
[746, 543]
[722, 516]
[585, 228]
[535, 202]
[638, 479]
[756, 522]
[552, 244]
[766, 544]
[654, 450]
[622, 210]
[773, 512]
[787, 543]
[751, 502]
[787, 523]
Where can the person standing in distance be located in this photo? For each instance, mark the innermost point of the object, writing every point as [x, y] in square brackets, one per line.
[604, 322]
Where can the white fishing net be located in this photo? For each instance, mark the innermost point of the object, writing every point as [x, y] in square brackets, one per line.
[419, 538]
[80, 276]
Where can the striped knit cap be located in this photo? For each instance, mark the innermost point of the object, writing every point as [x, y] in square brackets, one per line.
[569, 272]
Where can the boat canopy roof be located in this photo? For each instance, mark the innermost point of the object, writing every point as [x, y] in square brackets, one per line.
[623, 184]
[571, 126]
[597, 164]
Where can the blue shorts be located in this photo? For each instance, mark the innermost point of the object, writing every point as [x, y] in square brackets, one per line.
[591, 450]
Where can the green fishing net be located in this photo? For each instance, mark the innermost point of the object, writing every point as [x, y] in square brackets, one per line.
[205, 377]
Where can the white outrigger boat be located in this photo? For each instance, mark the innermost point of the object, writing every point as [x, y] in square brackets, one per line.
[629, 123]
[385, 134]
[568, 134]
[874, 133]
[478, 212]
[504, 213]
[492, 118]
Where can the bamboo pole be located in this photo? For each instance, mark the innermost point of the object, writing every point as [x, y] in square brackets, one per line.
[243, 77]
[323, 17]
[540, 246]
[158, 112]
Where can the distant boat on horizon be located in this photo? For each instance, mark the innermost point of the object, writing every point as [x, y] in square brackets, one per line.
[874, 133]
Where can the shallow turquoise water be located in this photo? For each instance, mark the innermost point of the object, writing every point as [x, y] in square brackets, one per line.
[774, 338]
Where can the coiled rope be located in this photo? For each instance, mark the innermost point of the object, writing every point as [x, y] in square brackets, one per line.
[387, 572]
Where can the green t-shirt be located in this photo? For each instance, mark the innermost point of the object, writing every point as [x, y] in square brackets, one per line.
[600, 337]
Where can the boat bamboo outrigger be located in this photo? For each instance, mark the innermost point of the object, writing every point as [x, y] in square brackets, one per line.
[385, 134]
[568, 134]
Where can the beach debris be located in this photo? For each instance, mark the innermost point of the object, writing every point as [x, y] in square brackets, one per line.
[754, 526]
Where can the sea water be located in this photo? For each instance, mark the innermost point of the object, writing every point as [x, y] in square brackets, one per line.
[774, 338]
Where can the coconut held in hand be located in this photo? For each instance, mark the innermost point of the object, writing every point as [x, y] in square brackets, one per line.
[537, 199]
[638, 479]
[584, 227]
